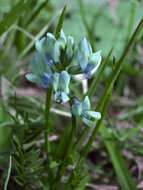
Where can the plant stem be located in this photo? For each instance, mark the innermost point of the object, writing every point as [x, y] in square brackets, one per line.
[70, 144]
[99, 122]
[47, 114]
[46, 134]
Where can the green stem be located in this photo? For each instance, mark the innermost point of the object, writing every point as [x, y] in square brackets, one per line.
[70, 144]
[81, 136]
[94, 133]
[47, 114]
[46, 134]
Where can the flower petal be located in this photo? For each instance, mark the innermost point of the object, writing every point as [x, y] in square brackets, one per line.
[95, 59]
[39, 44]
[64, 80]
[82, 60]
[50, 42]
[46, 80]
[88, 122]
[79, 77]
[55, 81]
[62, 39]
[70, 48]
[86, 104]
[33, 78]
[77, 109]
[94, 115]
[57, 96]
[83, 53]
[38, 66]
[61, 97]
[64, 97]
[46, 44]
[85, 47]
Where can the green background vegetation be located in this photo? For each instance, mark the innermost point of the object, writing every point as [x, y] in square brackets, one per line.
[115, 159]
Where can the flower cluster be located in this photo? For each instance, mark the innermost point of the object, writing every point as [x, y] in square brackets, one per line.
[56, 61]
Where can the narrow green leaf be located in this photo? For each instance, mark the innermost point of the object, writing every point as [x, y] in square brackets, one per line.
[38, 36]
[98, 75]
[89, 30]
[132, 15]
[13, 15]
[60, 22]
[63, 145]
[117, 160]
[8, 174]
[35, 13]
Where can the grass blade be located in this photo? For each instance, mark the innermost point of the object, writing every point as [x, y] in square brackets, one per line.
[13, 15]
[98, 75]
[60, 22]
[8, 174]
[117, 160]
[38, 36]
[35, 13]
[89, 31]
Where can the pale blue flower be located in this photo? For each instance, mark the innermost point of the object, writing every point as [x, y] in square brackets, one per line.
[41, 72]
[67, 48]
[53, 49]
[46, 60]
[60, 82]
[48, 49]
[82, 110]
[87, 60]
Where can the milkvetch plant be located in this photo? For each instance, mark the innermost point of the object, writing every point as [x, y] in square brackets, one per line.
[56, 62]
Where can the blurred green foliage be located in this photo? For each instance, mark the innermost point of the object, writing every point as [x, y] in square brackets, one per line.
[107, 27]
